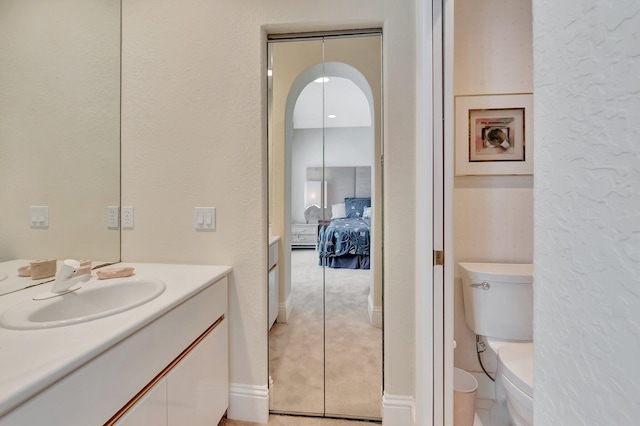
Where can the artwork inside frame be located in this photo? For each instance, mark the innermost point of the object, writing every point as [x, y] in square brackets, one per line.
[494, 135]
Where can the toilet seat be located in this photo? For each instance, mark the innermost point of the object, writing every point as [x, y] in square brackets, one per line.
[514, 382]
[515, 362]
[519, 404]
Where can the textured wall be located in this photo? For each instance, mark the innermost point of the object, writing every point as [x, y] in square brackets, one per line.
[493, 215]
[194, 133]
[587, 228]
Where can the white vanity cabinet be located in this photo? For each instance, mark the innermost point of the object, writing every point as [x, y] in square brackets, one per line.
[198, 387]
[274, 245]
[192, 392]
[150, 410]
[162, 363]
[195, 383]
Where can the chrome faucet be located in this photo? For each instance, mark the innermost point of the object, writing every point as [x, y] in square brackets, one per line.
[65, 282]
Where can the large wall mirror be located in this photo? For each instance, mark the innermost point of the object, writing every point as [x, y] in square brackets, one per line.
[59, 129]
[325, 202]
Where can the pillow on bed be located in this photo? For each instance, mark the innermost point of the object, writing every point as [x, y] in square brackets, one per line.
[355, 206]
[338, 210]
[366, 213]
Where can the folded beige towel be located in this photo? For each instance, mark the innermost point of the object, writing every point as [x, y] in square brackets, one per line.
[117, 272]
[43, 268]
[85, 268]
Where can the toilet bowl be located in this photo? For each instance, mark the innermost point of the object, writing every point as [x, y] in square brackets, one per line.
[498, 302]
[514, 385]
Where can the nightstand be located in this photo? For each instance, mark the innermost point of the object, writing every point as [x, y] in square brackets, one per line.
[304, 235]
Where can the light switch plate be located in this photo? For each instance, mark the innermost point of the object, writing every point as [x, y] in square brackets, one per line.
[205, 218]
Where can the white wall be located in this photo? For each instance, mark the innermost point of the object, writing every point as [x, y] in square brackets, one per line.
[587, 229]
[493, 215]
[194, 134]
[343, 147]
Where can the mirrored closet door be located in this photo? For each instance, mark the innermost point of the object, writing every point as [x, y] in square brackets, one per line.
[325, 202]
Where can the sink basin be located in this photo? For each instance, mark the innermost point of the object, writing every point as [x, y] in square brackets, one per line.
[96, 299]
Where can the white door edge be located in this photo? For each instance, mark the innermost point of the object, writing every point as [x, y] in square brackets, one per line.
[447, 44]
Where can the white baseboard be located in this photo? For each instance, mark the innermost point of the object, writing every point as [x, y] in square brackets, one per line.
[397, 410]
[284, 310]
[375, 313]
[248, 403]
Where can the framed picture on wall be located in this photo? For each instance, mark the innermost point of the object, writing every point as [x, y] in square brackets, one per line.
[494, 135]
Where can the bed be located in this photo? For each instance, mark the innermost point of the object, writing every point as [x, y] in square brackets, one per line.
[345, 241]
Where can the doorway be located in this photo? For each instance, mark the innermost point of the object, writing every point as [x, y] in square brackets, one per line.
[325, 202]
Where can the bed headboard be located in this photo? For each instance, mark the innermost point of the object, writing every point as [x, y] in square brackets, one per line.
[342, 182]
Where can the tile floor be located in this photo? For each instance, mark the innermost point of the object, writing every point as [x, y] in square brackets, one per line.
[483, 411]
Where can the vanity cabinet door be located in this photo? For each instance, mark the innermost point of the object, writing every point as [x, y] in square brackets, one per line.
[150, 410]
[198, 386]
[273, 295]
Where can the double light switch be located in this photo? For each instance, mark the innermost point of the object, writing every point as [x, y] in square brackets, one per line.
[205, 218]
[39, 216]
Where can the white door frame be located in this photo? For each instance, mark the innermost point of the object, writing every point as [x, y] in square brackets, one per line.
[425, 349]
[434, 190]
[447, 226]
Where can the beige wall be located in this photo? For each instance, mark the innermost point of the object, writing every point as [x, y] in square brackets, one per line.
[194, 134]
[59, 127]
[493, 215]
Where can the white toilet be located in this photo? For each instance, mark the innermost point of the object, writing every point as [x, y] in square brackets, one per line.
[498, 305]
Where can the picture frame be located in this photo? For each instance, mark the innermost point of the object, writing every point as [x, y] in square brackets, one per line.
[494, 135]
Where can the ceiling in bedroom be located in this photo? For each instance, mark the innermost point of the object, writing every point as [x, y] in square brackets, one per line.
[342, 98]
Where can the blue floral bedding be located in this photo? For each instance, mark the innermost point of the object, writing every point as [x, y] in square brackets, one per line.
[344, 237]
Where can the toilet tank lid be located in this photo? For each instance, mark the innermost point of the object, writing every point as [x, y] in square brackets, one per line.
[506, 272]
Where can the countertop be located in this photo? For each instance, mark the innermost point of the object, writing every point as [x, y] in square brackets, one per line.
[35, 359]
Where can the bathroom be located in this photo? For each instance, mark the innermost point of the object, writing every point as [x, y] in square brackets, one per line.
[492, 212]
[192, 89]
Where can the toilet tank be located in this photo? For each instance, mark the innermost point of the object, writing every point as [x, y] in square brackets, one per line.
[498, 299]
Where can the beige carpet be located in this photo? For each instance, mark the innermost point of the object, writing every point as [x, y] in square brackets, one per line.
[348, 370]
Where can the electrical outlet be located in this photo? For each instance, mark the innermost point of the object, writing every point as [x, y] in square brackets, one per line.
[127, 217]
[112, 216]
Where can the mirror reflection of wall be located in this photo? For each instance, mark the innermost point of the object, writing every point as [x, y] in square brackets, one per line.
[324, 150]
[59, 127]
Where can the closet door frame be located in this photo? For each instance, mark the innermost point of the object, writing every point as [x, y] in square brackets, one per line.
[376, 175]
